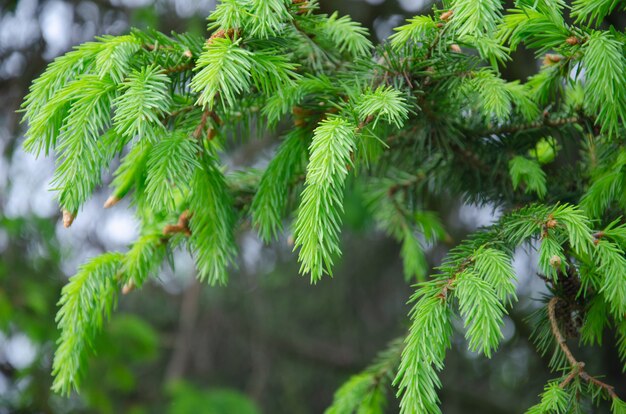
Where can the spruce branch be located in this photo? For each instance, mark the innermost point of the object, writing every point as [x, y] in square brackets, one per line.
[577, 368]
[212, 222]
[560, 339]
[475, 17]
[87, 300]
[365, 392]
[543, 123]
[317, 225]
[465, 275]
[399, 118]
[285, 171]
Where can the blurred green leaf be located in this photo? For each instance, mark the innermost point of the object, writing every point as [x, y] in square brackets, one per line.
[187, 399]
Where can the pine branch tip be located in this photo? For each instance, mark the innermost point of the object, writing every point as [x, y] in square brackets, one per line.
[68, 218]
[127, 288]
[111, 201]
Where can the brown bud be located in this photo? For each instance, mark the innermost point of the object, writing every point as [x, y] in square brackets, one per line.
[455, 48]
[127, 288]
[290, 240]
[171, 229]
[188, 54]
[446, 16]
[183, 219]
[211, 134]
[551, 59]
[221, 33]
[111, 201]
[303, 6]
[597, 236]
[572, 41]
[218, 34]
[439, 25]
[555, 261]
[297, 110]
[551, 223]
[68, 218]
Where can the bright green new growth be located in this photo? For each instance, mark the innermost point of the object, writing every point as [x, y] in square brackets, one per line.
[169, 168]
[212, 224]
[383, 103]
[529, 174]
[224, 70]
[423, 118]
[482, 311]
[553, 400]
[270, 201]
[87, 301]
[365, 392]
[144, 98]
[319, 217]
[605, 64]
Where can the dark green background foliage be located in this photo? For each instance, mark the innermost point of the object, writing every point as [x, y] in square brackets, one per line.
[290, 139]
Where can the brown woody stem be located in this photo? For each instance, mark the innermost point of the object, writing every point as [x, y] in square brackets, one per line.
[577, 367]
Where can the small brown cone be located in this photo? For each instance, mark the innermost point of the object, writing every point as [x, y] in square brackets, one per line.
[455, 48]
[572, 41]
[127, 288]
[68, 218]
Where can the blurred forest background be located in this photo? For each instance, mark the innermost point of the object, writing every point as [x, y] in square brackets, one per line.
[269, 342]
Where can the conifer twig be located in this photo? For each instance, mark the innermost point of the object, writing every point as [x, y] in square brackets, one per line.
[545, 122]
[407, 183]
[198, 131]
[577, 366]
[179, 68]
[450, 282]
[573, 374]
[182, 226]
[211, 133]
[560, 339]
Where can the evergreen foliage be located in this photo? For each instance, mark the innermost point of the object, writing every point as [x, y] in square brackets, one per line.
[319, 217]
[366, 392]
[406, 121]
[87, 301]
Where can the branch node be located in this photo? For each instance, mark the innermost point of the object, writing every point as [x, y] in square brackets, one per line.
[182, 226]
